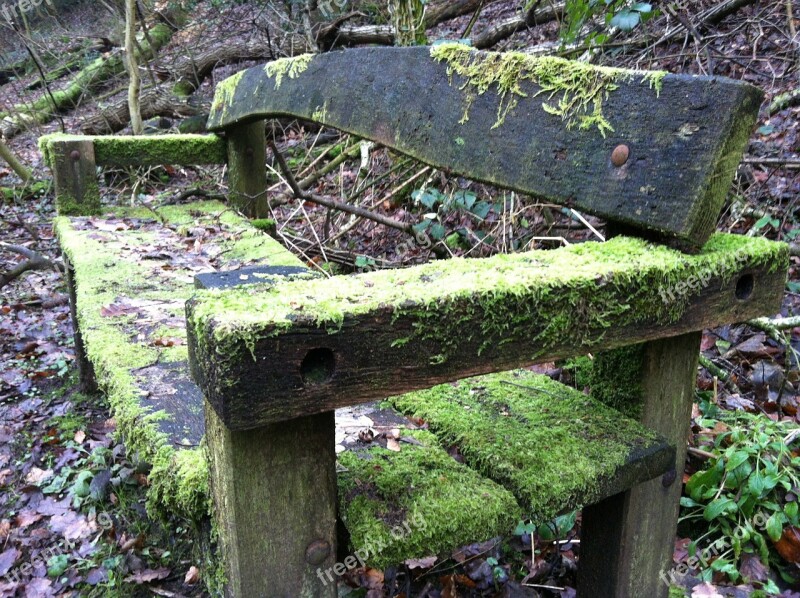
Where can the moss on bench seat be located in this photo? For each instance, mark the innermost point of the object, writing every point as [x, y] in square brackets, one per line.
[554, 447]
[417, 501]
[124, 270]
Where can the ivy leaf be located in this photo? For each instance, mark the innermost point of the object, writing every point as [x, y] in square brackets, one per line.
[438, 231]
[481, 209]
[625, 19]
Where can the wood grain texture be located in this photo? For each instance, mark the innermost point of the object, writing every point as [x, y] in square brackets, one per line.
[75, 178]
[383, 351]
[627, 540]
[274, 491]
[684, 145]
[247, 174]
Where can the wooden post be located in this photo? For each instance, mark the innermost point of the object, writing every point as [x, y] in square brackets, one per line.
[86, 376]
[628, 539]
[75, 177]
[274, 490]
[247, 171]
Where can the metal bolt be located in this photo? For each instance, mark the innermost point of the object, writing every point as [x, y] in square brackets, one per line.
[249, 151]
[669, 478]
[620, 155]
[317, 552]
[75, 155]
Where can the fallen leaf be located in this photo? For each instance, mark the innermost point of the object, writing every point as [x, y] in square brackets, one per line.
[705, 590]
[80, 436]
[423, 563]
[192, 576]
[789, 544]
[392, 445]
[148, 575]
[752, 569]
[7, 560]
[36, 476]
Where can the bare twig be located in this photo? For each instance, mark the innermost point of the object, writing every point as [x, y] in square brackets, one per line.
[333, 203]
[35, 261]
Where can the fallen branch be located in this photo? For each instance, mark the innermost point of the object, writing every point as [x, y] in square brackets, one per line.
[774, 328]
[507, 28]
[717, 371]
[784, 100]
[791, 163]
[35, 261]
[333, 203]
[22, 171]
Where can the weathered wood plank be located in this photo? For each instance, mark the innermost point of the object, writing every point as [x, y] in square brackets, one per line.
[627, 540]
[145, 150]
[274, 490]
[555, 448]
[305, 347]
[683, 144]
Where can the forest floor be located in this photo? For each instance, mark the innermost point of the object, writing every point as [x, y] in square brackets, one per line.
[72, 521]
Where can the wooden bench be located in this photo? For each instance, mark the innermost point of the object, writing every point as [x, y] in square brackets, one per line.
[652, 153]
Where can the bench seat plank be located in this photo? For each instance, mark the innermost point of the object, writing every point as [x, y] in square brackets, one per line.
[685, 135]
[417, 501]
[130, 313]
[304, 347]
[555, 448]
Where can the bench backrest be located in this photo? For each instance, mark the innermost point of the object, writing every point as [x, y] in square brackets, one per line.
[651, 151]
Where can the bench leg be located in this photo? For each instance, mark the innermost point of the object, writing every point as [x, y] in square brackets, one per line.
[86, 377]
[627, 540]
[274, 492]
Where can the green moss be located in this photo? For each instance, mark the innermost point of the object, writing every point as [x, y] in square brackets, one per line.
[266, 225]
[616, 379]
[418, 501]
[537, 298]
[105, 270]
[574, 91]
[288, 67]
[127, 150]
[549, 444]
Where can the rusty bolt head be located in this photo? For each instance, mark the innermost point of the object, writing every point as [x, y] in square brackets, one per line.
[317, 552]
[669, 478]
[75, 155]
[620, 155]
[249, 151]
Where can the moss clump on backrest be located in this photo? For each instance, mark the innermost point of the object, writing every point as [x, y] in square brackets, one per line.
[575, 91]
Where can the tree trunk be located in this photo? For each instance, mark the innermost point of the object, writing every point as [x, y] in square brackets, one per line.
[133, 68]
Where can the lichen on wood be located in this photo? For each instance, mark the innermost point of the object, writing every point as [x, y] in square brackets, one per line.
[574, 90]
[290, 67]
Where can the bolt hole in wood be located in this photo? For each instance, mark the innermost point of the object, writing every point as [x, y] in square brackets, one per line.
[318, 366]
[744, 287]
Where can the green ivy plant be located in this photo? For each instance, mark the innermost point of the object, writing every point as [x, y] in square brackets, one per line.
[748, 493]
[625, 15]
